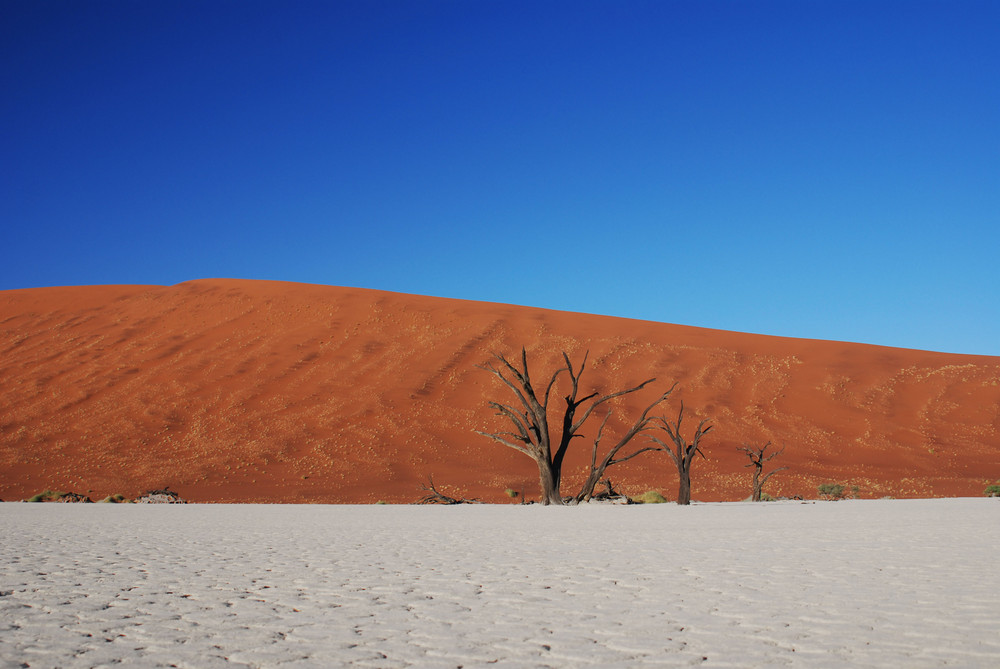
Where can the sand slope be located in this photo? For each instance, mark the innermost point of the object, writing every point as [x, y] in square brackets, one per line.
[247, 391]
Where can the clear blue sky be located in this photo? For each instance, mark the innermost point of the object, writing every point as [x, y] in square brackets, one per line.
[820, 169]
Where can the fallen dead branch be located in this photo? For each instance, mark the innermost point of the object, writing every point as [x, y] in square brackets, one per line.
[435, 496]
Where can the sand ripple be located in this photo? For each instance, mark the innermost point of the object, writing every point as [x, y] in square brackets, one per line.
[864, 583]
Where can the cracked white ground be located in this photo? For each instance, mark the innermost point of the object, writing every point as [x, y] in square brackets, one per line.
[887, 583]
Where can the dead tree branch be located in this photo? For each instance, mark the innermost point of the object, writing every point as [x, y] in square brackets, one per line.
[435, 496]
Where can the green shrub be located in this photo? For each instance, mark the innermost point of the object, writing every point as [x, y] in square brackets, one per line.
[650, 497]
[764, 497]
[993, 490]
[831, 491]
[47, 496]
[511, 493]
[114, 499]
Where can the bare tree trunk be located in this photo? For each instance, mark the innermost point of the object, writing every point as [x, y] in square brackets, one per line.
[684, 488]
[757, 487]
[587, 491]
[549, 484]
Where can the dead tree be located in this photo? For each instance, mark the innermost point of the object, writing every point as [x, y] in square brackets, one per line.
[758, 457]
[681, 451]
[597, 468]
[434, 496]
[532, 435]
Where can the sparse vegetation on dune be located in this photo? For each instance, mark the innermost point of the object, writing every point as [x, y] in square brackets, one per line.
[831, 491]
[47, 496]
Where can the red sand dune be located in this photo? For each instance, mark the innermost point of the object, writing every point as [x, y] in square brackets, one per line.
[247, 391]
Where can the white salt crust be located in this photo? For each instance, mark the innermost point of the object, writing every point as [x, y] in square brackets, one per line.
[888, 583]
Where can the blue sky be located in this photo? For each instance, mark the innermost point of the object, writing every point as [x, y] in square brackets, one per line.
[817, 169]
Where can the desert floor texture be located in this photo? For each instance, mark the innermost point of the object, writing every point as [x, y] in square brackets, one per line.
[873, 583]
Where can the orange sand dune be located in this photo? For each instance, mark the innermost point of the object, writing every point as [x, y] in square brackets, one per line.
[247, 391]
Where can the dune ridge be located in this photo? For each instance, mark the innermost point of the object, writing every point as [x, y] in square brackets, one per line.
[256, 391]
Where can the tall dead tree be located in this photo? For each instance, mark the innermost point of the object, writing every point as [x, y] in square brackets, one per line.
[681, 451]
[758, 457]
[532, 435]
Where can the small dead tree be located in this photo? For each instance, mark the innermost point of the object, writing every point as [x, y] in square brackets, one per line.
[531, 433]
[758, 456]
[681, 451]
[434, 496]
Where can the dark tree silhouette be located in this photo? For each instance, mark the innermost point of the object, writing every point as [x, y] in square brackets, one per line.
[681, 451]
[758, 457]
[531, 433]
